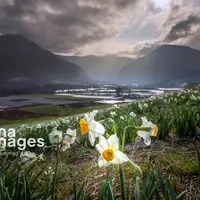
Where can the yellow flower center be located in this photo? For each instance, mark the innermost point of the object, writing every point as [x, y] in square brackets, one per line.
[108, 154]
[155, 133]
[84, 126]
[65, 142]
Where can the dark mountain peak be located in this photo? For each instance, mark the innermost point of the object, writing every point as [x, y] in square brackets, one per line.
[12, 36]
[168, 47]
[17, 41]
[15, 38]
[167, 62]
[20, 57]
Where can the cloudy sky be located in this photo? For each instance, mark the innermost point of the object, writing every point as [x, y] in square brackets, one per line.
[123, 27]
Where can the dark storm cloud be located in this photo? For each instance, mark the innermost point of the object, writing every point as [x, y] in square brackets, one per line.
[182, 29]
[174, 10]
[62, 25]
[123, 3]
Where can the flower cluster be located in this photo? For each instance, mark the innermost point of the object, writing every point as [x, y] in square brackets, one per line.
[64, 140]
[108, 147]
[28, 157]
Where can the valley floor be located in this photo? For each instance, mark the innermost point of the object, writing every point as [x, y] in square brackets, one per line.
[175, 150]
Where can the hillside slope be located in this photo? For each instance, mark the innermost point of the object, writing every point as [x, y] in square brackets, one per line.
[168, 62]
[22, 59]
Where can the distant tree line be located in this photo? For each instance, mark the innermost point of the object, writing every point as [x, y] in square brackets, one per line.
[27, 88]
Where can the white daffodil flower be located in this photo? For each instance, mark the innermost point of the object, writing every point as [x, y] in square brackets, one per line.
[132, 114]
[165, 100]
[68, 139]
[91, 127]
[145, 105]
[28, 157]
[55, 136]
[65, 145]
[146, 135]
[113, 114]
[122, 118]
[109, 151]
[140, 106]
[115, 106]
[70, 135]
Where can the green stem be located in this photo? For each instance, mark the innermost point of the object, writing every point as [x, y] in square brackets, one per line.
[122, 182]
[136, 168]
[113, 124]
[18, 176]
[137, 128]
[124, 136]
[55, 174]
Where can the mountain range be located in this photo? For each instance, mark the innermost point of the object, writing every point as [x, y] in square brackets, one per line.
[166, 63]
[22, 60]
[23, 63]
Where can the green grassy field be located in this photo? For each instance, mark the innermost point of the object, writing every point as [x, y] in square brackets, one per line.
[54, 112]
[53, 96]
[60, 110]
[48, 109]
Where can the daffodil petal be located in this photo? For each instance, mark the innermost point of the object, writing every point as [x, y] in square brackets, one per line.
[103, 142]
[90, 116]
[143, 134]
[69, 130]
[94, 113]
[147, 142]
[146, 137]
[113, 142]
[99, 148]
[102, 162]
[99, 129]
[102, 145]
[144, 121]
[65, 147]
[87, 117]
[120, 158]
[71, 136]
[91, 138]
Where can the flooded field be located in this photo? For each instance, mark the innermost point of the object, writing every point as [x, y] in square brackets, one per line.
[68, 102]
[76, 96]
[18, 101]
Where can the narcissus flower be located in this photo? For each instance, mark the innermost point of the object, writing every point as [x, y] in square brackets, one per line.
[55, 136]
[109, 151]
[113, 114]
[28, 157]
[146, 135]
[132, 114]
[122, 118]
[70, 135]
[68, 139]
[65, 145]
[91, 127]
